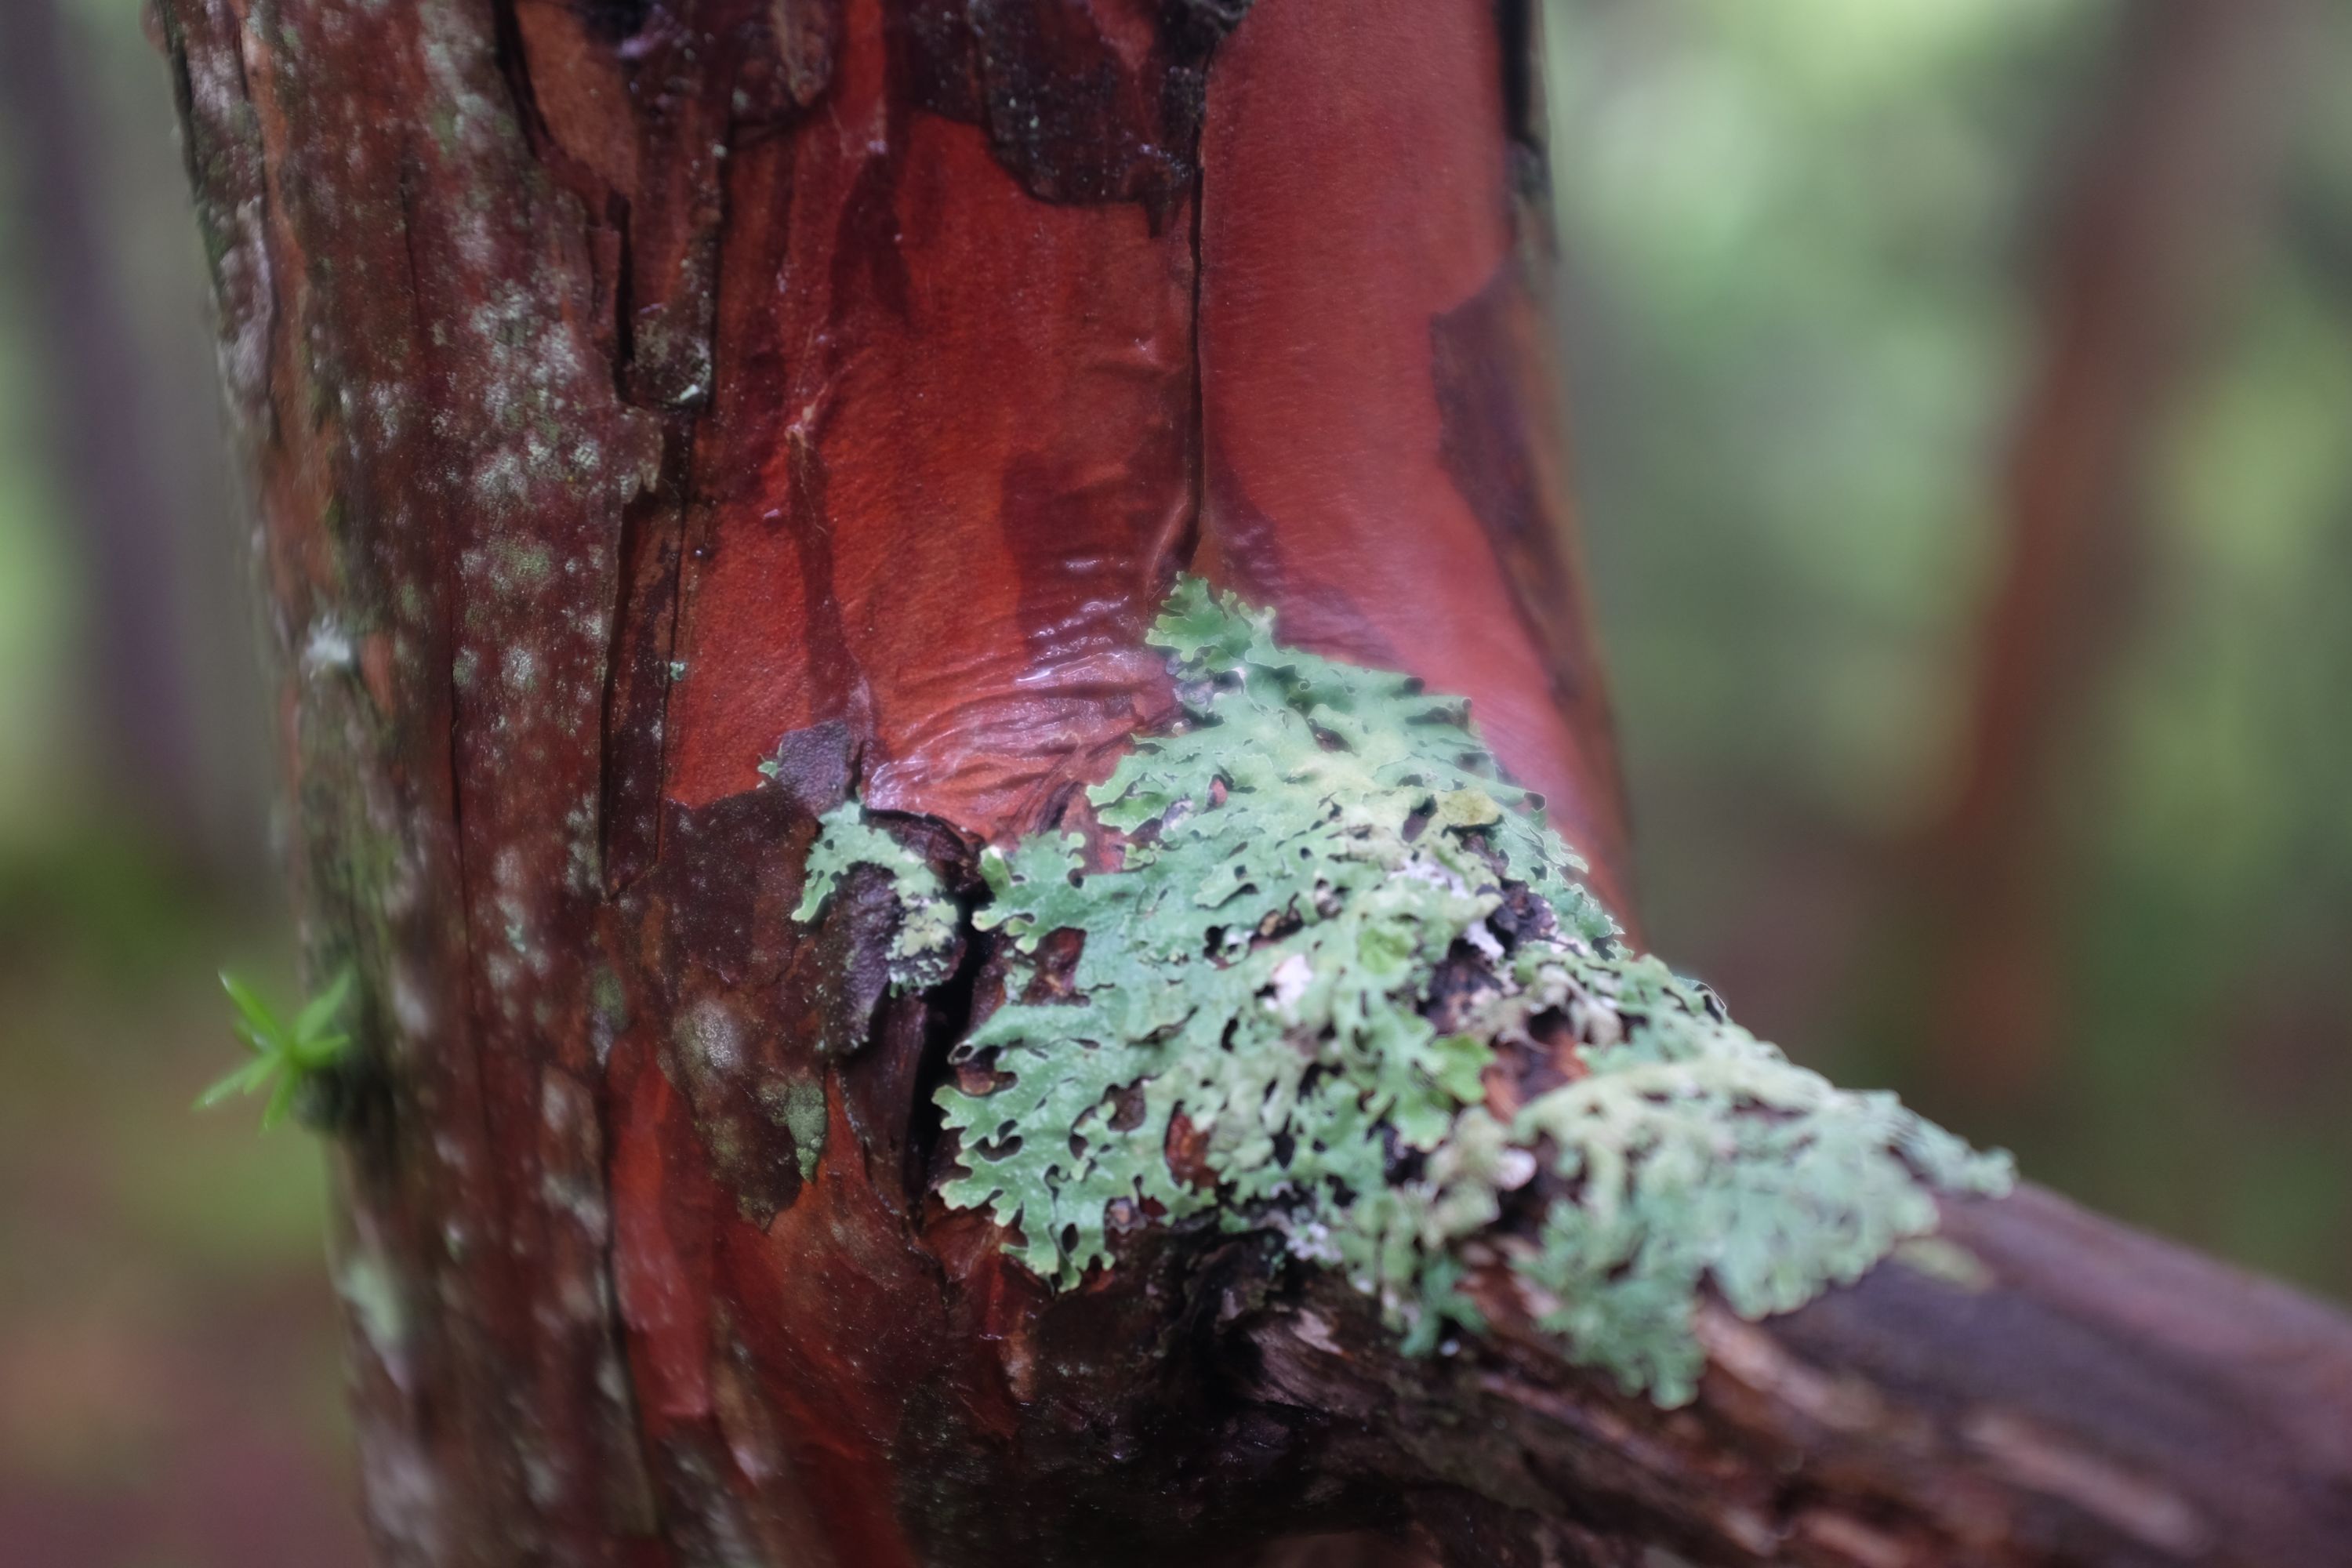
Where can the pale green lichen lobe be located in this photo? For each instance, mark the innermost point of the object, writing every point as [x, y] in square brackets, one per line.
[923, 952]
[1332, 913]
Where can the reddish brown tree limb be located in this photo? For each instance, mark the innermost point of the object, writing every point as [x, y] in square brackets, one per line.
[640, 390]
[2084, 1395]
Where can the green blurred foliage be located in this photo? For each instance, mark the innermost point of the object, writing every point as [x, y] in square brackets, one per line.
[38, 619]
[1796, 226]
[1801, 241]
[2211, 807]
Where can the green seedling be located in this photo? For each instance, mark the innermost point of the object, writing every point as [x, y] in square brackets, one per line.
[285, 1057]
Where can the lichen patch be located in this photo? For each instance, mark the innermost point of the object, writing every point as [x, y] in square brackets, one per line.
[1333, 913]
[923, 952]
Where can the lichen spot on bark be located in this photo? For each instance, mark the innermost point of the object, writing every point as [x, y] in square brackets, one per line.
[1348, 958]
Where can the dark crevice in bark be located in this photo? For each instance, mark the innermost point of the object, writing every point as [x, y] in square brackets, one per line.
[648, 606]
[1187, 542]
[644, 608]
[1526, 136]
[626, 801]
[1515, 22]
[624, 289]
[447, 584]
[949, 1015]
[639, 645]
[515, 73]
[1065, 114]
[615, 21]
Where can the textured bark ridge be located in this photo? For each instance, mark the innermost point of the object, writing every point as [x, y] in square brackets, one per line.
[644, 390]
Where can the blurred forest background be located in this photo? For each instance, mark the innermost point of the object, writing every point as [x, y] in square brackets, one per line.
[1962, 406]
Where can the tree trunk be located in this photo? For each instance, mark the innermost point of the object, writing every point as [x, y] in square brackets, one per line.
[639, 391]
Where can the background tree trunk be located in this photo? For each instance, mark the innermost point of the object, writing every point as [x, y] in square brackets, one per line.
[639, 391]
[140, 473]
[2170, 180]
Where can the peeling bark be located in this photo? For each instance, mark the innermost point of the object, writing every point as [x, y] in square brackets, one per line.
[643, 391]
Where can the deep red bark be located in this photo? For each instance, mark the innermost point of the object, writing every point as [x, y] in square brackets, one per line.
[641, 390]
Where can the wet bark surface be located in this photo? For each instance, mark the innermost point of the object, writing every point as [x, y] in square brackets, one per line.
[639, 391]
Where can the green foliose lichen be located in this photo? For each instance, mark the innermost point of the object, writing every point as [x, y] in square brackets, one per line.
[1333, 910]
[923, 952]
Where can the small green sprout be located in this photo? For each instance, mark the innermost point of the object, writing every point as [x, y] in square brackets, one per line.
[289, 1056]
